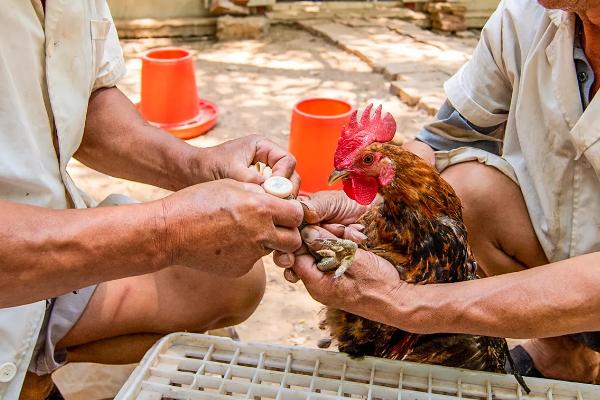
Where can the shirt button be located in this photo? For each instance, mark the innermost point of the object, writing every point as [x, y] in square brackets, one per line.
[7, 372]
[582, 76]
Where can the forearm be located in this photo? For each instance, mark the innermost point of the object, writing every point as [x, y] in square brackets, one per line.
[118, 142]
[552, 300]
[46, 253]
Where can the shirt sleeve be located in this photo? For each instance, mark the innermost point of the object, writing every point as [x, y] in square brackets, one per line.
[481, 90]
[451, 130]
[110, 68]
[470, 125]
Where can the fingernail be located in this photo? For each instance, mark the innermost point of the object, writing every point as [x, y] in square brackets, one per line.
[285, 260]
[290, 276]
[359, 227]
[361, 236]
[306, 206]
[310, 234]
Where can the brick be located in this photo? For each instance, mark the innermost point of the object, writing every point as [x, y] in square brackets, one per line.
[431, 103]
[227, 7]
[395, 70]
[411, 89]
[467, 35]
[177, 27]
[448, 22]
[231, 28]
[446, 8]
[410, 98]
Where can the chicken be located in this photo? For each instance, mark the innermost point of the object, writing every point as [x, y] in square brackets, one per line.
[418, 228]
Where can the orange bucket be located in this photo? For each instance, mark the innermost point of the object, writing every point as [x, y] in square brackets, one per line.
[315, 129]
[169, 98]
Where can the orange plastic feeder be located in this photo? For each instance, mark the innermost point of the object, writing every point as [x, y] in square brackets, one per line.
[315, 129]
[169, 98]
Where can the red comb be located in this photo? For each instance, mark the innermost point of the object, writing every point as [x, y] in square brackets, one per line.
[356, 135]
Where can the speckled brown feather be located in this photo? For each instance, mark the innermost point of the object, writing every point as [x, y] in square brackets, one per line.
[419, 229]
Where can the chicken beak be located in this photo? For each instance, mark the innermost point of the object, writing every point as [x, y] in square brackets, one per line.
[337, 176]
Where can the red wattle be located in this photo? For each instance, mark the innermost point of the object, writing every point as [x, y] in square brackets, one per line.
[362, 189]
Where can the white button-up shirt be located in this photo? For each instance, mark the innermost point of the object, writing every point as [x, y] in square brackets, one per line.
[522, 75]
[50, 62]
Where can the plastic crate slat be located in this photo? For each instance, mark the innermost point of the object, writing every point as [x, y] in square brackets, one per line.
[229, 372]
[400, 383]
[149, 395]
[191, 366]
[255, 377]
[370, 392]
[178, 393]
[283, 384]
[315, 374]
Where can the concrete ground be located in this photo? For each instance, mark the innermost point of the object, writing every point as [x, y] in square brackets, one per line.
[256, 83]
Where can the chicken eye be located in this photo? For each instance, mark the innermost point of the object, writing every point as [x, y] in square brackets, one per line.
[368, 159]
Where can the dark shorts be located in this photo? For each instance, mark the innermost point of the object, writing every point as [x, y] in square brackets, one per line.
[62, 313]
[589, 339]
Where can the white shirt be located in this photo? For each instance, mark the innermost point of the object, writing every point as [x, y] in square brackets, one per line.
[522, 74]
[50, 62]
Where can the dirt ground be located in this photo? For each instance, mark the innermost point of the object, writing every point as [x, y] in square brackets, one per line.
[256, 83]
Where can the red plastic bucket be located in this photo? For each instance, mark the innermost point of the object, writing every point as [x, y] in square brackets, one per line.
[316, 126]
[169, 97]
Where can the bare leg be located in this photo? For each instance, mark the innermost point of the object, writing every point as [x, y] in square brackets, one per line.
[125, 317]
[503, 240]
[500, 231]
[128, 315]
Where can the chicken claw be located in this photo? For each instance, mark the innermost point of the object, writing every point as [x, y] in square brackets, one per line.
[335, 254]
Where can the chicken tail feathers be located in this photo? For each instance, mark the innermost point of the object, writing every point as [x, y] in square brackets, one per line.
[402, 347]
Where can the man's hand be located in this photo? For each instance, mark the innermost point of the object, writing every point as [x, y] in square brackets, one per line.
[227, 226]
[332, 210]
[364, 289]
[233, 160]
[115, 131]
[332, 207]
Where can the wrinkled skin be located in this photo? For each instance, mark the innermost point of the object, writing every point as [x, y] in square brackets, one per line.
[269, 223]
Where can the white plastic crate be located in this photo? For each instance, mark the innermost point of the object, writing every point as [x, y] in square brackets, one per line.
[191, 366]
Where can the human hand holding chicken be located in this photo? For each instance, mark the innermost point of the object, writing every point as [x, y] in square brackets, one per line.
[534, 301]
[415, 235]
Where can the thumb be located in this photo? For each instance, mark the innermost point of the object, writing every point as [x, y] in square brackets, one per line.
[311, 234]
[331, 206]
[249, 175]
[320, 206]
[306, 269]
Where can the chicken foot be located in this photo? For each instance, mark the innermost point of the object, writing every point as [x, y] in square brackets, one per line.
[335, 254]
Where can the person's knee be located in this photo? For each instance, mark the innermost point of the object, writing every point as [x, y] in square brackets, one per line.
[208, 301]
[242, 297]
[500, 231]
[481, 189]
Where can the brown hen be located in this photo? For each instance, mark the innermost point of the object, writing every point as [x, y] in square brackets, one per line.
[418, 228]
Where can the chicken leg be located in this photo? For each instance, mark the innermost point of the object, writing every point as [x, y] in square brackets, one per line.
[335, 254]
